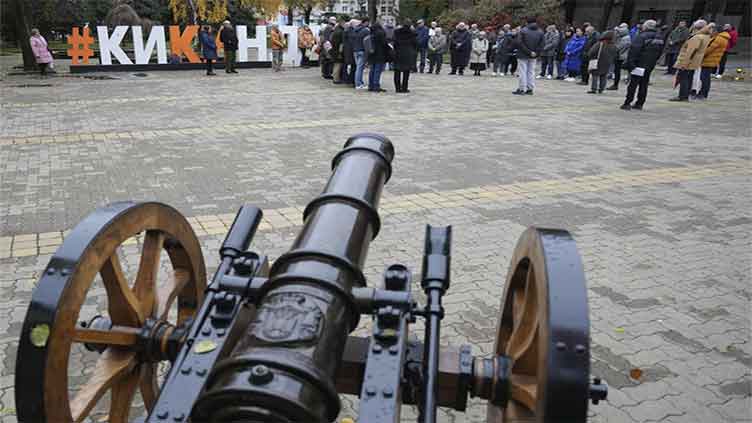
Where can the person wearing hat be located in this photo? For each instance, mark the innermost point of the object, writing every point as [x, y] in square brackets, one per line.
[460, 45]
[230, 40]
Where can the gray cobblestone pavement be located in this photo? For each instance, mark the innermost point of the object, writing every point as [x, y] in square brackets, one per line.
[667, 256]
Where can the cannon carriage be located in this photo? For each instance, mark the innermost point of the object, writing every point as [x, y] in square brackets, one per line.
[272, 342]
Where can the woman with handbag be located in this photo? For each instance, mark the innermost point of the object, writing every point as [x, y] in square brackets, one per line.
[41, 51]
[602, 55]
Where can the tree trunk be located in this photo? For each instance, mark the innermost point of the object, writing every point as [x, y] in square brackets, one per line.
[698, 9]
[307, 15]
[22, 16]
[290, 11]
[627, 11]
[193, 14]
[372, 10]
[569, 8]
[607, 8]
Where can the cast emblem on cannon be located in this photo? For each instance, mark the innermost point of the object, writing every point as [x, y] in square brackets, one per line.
[273, 343]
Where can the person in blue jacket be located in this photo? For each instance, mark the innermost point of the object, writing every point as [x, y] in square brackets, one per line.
[573, 54]
[423, 36]
[208, 48]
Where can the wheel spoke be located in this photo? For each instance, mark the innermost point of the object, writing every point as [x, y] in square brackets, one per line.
[167, 293]
[146, 280]
[116, 335]
[148, 385]
[526, 319]
[112, 365]
[122, 305]
[123, 392]
[524, 390]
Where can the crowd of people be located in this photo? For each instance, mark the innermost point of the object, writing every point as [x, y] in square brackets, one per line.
[575, 54]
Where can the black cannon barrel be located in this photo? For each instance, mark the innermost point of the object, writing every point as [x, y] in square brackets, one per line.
[283, 369]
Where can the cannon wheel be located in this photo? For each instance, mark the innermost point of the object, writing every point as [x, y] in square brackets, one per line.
[544, 328]
[51, 327]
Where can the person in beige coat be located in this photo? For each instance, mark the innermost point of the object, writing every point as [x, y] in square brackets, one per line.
[478, 53]
[690, 58]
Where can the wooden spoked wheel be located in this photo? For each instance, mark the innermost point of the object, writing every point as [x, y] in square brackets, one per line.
[544, 329]
[52, 328]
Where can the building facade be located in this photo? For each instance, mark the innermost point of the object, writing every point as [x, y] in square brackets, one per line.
[386, 10]
[609, 13]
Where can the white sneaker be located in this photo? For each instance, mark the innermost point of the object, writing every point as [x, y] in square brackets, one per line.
[719, 77]
[495, 74]
[570, 79]
[538, 77]
[549, 77]
[503, 74]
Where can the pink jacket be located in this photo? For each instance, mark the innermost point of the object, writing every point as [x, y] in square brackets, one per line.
[39, 47]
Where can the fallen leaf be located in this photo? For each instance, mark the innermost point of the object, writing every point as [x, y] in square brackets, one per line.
[619, 330]
[635, 374]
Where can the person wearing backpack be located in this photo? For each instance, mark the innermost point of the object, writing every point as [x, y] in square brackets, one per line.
[644, 53]
[602, 55]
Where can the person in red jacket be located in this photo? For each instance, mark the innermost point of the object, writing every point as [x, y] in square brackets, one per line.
[733, 38]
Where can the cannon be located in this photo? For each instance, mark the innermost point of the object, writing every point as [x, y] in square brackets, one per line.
[272, 342]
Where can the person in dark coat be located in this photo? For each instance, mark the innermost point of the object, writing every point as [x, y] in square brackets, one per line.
[460, 45]
[338, 37]
[405, 52]
[605, 52]
[646, 48]
[591, 39]
[422, 32]
[347, 54]
[529, 46]
[325, 55]
[561, 55]
[208, 48]
[230, 40]
[378, 58]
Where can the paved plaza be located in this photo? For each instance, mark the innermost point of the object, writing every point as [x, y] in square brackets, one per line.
[659, 202]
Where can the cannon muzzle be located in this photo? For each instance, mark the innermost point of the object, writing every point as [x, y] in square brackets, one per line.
[287, 360]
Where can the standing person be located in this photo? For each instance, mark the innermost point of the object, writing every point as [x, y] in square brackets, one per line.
[356, 40]
[623, 43]
[712, 58]
[591, 38]
[573, 51]
[561, 55]
[377, 59]
[278, 45]
[306, 40]
[41, 52]
[733, 39]
[478, 54]
[548, 55]
[406, 52]
[347, 52]
[605, 53]
[437, 46]
[422, 32]
[230, 40]
[208, 48]
[491, 37]
[675, 40]
[326, 61]
[690, 58]
[644, 53]
[338, 36]
[529, 45]
[461, 44]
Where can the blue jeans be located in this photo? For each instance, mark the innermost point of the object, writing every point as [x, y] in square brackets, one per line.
[422, 54]
[374, 77]
[360, 64]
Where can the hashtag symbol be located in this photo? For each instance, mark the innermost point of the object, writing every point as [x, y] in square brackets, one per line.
[80, 46]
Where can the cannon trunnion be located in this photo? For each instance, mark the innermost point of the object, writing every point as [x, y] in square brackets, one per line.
[273, 343]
